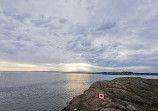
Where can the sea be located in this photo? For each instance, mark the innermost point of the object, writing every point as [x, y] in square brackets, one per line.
[45, 91]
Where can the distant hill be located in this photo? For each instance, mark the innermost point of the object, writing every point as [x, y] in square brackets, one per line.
[115, 73]
[123, 73]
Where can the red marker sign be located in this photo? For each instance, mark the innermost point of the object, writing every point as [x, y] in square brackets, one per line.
[101, 96]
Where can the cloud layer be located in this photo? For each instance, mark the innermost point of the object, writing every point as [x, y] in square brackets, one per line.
[115, 34]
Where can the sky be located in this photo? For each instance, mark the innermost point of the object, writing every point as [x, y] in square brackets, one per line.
[79, 35]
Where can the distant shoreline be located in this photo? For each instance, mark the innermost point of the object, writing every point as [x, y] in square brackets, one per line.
[115, 73]
[120, 73]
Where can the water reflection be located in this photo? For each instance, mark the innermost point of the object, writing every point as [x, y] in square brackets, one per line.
[43, 91]
[77, 82]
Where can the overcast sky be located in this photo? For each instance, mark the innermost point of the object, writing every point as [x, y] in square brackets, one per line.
[79, 35]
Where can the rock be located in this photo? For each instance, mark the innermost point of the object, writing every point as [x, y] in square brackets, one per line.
[131, 108]
[110, 109]
[123, 94]
[116, 106]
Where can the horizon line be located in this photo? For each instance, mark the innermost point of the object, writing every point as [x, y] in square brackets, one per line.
[84, 71]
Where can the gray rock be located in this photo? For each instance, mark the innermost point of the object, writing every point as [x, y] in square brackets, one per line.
[123, 94]
[131, 108]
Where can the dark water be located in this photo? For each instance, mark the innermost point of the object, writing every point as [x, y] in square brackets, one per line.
[43, 91]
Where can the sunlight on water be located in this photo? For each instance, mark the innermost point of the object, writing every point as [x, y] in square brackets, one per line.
[77, 82]
[43, 91]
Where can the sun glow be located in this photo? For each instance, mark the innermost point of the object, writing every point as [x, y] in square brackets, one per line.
[66, 67]
[76, 67]
[70, 67]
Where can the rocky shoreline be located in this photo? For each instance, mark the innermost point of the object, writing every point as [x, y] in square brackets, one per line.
[123, 94]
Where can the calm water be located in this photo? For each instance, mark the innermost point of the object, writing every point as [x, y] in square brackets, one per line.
[44, 91]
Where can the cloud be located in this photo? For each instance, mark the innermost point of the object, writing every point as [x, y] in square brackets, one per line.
[68, 67]
[100, 33]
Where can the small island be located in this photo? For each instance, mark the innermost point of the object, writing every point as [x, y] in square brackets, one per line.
[123, 94]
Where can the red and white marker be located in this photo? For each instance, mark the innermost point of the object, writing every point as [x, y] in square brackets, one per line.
[101, 96]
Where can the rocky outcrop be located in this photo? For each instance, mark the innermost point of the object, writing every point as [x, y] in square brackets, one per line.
[123, 94]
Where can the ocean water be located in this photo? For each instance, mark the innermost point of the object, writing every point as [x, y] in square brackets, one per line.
[44, 91]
